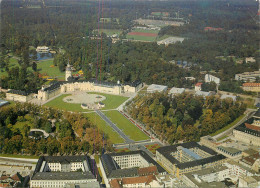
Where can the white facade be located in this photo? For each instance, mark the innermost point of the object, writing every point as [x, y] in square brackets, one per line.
[130, 161]
[57, 183]
[176, 90]
[210, 78]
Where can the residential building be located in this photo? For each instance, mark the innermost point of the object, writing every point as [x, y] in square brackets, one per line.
[253, 87]
[249, 181]
[142, 181]
[198, 86]
[42, 49]
[58, 171]
[251, 161]
[237, 170]
[211, 78]
[187, 157]
[210, 177]
[128, 164]
[248, 76]
[156, 88]
[19, 96]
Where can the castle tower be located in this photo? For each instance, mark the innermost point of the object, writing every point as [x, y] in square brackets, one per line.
[68, 72]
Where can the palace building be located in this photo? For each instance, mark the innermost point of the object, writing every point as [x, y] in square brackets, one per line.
[71, 85]
[187, 157]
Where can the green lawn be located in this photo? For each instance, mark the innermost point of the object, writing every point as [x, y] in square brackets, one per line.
[20, 156]
[110, 32]
[60, 104]
[126, 126]
[228, 126]
[111, 101]
[13, 63]
[101, 124]
[20, 125]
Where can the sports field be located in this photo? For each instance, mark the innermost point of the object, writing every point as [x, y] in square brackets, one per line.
[143, 35]
[101, 124]
[126, 126]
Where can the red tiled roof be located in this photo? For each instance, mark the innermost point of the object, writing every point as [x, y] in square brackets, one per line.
[147, 170]
[16, 177]
[4, 184]
[114, 183]
[198, 84]
[251, 85]
[253, 127]
[4, 177]
[141, 179]
[251, 158]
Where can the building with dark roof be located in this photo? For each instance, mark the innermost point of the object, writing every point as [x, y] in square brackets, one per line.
[187, 157]
[58, 171]
[72, 85]
[249, 131]
[128, 164]
[19, 96]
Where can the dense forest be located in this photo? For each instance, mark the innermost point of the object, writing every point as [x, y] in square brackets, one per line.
[70, 24]
[184, 117]
[70, 133]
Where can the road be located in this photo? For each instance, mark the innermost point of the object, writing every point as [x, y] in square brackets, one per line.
[249, 114]
[111, 124]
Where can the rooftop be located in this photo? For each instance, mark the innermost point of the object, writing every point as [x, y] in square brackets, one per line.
[167, 150]
[155, 87]
[251, 85]
[63, 176]
[112, 169]
[176, 90]
[19, 92]
[229, 149]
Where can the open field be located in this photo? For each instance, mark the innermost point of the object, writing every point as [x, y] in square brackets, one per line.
[126, 126]
[228, 126]
[101, 124]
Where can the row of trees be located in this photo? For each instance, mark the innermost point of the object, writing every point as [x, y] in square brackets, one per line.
[71, 133]
[184, 117]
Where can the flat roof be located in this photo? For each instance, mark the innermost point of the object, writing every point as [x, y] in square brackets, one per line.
[155, 87]
[167, 150]
[63, 176]
[176, 90]
[112, 169]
